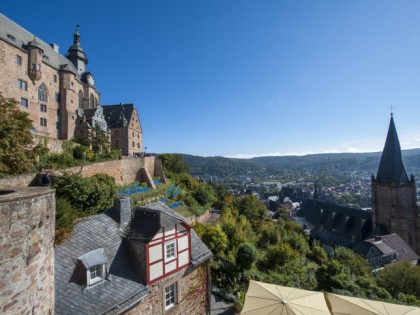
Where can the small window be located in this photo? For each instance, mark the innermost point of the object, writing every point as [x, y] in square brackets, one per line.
[170, 250]
[18, 59]
[55, 78]
[138, 145]
[170, 296]
[133, 144]
[138, 136]
[95, 274]
[57, 97]
[58, 112]
[36, 66]
[43, 122]
[22, 85]
[45, 57]
[132, 133]
[43, 108]
[11, 37]
[57, 125]
[24, 102]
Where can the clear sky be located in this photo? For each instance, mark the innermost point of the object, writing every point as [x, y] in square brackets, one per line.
[246, 78]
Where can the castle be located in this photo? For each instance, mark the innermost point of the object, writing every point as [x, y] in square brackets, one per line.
[58, 92]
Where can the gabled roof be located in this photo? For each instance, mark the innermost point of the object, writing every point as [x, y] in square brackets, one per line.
[124, 285]
[118, 116]
[23, 38]
[394, 242]
[391, 167]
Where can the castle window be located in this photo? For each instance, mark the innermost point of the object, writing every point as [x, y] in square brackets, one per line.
[80, 99]
[42, 93]
[24, 102]
[138, 136]
[18, 59]
[138, 145]
[132, 133]
[170, 296]
[170, 250]
[133, 144]
[36, 66]
[22, 85]
[43, 122]
[45, 57]
[55, 78]
[57, 125]
[43, 108]
[11, 37]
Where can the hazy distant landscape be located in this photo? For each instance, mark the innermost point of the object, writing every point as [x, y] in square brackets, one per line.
[327, 169]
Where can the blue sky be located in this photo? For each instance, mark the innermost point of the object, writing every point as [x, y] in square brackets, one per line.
[247, 78]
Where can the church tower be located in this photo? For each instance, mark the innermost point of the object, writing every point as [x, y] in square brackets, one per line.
[76, 53]
[394, 194]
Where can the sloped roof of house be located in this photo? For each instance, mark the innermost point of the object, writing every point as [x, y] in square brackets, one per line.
[22, 38]
[123, 285]
[115, 115]
[394, 243]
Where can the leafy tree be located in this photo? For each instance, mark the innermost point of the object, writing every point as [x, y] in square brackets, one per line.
[401, 278]
[99, 140]
[65, 215]
[205, 195]
[252, 208]
[90, 195]
[279, 255]
[246, 256]
[174, 163]
[17, 151]
[215, 239]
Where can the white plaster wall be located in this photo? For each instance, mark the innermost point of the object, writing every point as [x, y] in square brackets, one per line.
[183, 258]
[183, 243]
[156, 270]
[155, 253]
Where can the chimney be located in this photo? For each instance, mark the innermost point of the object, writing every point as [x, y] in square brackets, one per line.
[55, 47]
[122, 207]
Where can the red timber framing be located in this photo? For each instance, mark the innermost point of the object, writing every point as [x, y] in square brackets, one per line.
[160, 241]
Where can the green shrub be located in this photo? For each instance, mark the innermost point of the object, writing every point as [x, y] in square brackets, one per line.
[246, 256]
[80, 152]
[65, 215]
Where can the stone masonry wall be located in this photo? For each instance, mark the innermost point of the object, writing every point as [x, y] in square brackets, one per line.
[192, 290]
[27, 222]
[125, 171]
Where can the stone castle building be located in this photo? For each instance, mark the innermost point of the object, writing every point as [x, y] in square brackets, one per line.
[58, 92]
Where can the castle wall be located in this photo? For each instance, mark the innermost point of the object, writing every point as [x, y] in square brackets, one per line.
[27, 225]
[192, 288]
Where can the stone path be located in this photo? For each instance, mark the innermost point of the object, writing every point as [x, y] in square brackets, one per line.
[220, 307]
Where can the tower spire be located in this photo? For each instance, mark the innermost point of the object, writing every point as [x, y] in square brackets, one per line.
[391, 167]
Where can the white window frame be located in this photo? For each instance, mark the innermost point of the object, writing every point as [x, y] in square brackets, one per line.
[170, 296]
[172, 257]
[100, 270]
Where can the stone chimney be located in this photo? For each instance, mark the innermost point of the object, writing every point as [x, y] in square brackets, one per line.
[122, 207]
[55, 47]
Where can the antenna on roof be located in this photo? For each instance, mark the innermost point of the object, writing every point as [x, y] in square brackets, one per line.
[391, 108]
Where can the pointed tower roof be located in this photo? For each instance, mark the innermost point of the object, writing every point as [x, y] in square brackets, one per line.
[76, 52]
[391, 168]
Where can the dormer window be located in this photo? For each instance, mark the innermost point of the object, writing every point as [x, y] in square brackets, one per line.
[170, 250]
[94, 265]
[11, 37]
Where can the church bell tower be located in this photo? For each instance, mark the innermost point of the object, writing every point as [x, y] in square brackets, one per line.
[394, 194]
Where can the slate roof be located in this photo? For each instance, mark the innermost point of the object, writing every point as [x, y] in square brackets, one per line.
[24, 37]
[123, 285]
[391, 167]
[116, 114]
[394, 243]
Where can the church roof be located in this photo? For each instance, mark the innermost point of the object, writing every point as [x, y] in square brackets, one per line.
[391, 167]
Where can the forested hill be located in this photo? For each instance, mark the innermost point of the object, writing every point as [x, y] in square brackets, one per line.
[309, 167]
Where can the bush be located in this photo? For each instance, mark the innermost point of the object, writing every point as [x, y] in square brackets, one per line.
[90, 195]
[80, 152]
[65, 215]
[246, 256]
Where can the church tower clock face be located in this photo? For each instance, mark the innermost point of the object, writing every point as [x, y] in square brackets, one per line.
[91, 80]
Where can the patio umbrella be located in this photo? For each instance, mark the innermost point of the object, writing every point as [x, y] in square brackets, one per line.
[263, 298]
[341, 305]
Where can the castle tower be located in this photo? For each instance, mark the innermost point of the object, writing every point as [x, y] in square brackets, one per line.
[394, 194]
[76, 53]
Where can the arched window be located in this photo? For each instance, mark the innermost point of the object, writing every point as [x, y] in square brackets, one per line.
[80, 99]
[42, 93]
[92, 101]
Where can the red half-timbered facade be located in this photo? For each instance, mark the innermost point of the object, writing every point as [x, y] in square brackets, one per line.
[168, 251]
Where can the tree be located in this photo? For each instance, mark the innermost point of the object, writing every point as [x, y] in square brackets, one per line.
[18, 153]
[99, 140]
[401, 278]
[246, 256]
[174, 163]
[215, 239]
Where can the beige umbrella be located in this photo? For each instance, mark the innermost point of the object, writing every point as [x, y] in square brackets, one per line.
[342, 305]
[263, 298]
